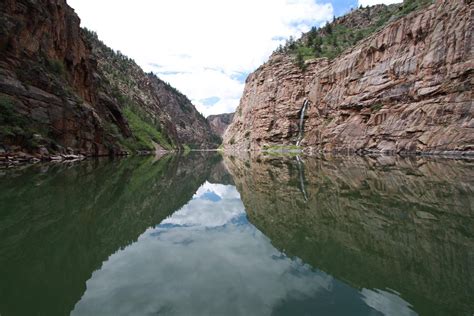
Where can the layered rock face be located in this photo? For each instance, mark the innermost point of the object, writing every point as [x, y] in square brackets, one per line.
[47, 78]
[56, 96]
[406, 88]
[375, 223]
[220, 122]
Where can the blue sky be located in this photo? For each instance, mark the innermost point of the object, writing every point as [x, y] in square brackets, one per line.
[343, 6]
[205, 48]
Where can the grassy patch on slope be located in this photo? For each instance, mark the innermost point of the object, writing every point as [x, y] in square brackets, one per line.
[144, 133]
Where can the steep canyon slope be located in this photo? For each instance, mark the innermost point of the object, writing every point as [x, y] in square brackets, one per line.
[63, 91]
[220, 122]
[407, 88]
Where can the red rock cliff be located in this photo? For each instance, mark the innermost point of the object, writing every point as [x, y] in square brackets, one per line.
[407, 88]
[45, 77]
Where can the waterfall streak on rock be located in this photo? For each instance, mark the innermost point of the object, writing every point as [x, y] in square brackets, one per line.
[301, 125]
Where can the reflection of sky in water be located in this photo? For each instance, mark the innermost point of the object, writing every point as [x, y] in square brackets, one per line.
[207, 259]
[387, 303]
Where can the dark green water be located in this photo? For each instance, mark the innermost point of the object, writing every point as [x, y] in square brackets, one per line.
[202, 235]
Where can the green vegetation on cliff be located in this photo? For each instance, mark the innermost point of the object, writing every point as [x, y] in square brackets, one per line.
[145, 133]
[120, 76]
[342, 33]
[148, 103]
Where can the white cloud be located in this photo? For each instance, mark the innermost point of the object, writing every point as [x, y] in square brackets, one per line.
[200, 45]
[374, 2]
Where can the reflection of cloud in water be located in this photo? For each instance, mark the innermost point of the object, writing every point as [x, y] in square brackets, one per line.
[387, 303]
[206, 259]
[209, 212]
[224, 191]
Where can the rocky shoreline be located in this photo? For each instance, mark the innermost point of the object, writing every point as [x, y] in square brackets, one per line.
[311, 151]
[16, 159]
[436, 153]
[10, 160]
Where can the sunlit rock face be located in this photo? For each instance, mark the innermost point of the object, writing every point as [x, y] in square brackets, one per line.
[403, 225]
[407, 88]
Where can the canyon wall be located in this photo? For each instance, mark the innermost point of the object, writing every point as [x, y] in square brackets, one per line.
[406, 88]
[148, 96]
[220, 122]
[63, 91]
[47, 79]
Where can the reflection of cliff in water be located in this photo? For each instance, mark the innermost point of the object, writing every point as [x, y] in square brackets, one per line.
[402, 224]
[58, 226]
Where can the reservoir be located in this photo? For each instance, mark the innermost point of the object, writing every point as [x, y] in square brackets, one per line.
[212, 234]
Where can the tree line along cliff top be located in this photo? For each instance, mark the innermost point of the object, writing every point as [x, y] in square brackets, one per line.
[332, 39]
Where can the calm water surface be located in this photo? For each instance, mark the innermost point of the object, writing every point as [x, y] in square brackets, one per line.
[261, 235]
